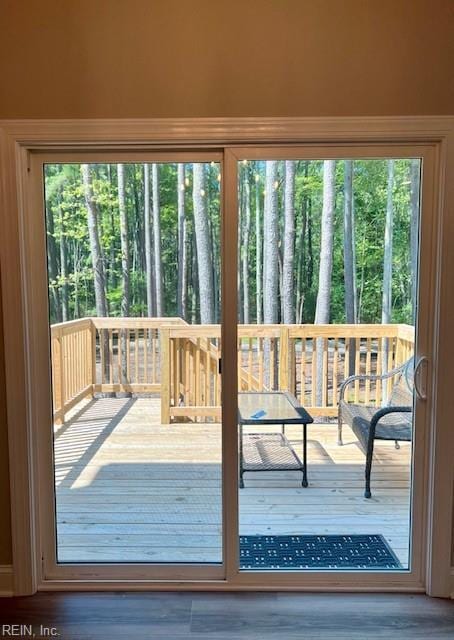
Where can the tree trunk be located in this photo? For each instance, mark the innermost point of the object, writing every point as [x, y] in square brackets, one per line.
[202, 236]
[63, 270]
[195, 312]
[96, 258]
[258, 252]
[245, 244]
[149, 283]
[111, 278]
[288, 297]
[52, 265]
[182, 248]
[388, 265]
[157, 241]
[322, 310]
[124, 242]
[349, 261]
[270, 247]
[414, 231]
[95, 246]
[270, 261]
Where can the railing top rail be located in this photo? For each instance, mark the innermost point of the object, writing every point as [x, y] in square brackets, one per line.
[136, 323]
[406, 332]
[178, 328]
[70, 325]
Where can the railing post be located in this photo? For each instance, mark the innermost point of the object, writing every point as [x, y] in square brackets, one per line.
[61, 387]
[93, 357]
[165, 375]
[284, 361]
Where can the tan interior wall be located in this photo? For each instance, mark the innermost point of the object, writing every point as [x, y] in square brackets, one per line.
[167, 58]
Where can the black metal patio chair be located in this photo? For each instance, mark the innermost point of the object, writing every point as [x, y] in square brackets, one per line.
[392, 421]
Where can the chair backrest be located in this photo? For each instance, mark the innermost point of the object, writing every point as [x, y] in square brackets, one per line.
[402, 391]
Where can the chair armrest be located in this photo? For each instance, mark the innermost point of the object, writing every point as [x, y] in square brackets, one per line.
[381, 413]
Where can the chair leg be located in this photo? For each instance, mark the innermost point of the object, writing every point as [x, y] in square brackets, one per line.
[339, 430]
[370, 453]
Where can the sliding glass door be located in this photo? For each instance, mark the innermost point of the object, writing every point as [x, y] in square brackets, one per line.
[237, 347]
[133, 256]
[331, 362]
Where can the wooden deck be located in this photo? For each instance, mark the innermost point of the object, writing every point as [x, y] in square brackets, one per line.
[132, 490]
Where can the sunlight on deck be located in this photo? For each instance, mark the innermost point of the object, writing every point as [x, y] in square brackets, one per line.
[131, 489]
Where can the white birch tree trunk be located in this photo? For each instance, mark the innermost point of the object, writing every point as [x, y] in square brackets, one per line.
[202, 236]
[322, 310]
[288, 298]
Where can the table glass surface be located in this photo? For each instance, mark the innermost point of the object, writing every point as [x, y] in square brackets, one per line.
[269, 408]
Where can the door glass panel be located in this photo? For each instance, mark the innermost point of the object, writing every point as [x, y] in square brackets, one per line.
[327, 286]
[134, 302]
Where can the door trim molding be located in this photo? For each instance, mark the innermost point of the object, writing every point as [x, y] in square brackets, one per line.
[19, 137]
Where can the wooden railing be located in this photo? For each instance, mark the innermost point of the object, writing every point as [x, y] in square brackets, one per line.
[311, 361]
[102, 355]
[128, 354]
[181, 362]
[72, 364]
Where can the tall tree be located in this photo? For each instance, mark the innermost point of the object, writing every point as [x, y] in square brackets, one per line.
[245, 241]
[270, 246]
[124, 244]
[270, 261]
[157, 241]
[149, 280]
[415, 170]
[52, 264]
[95, 246]
[182, 244]
[302, 252]
[203, 242]
[388, 261]
[63, 268]
[322, 310]
[288, 294]
[349, 258]
[258, 252]
[124, 241]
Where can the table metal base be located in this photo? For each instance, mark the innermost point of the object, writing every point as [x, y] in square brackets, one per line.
[271, 452]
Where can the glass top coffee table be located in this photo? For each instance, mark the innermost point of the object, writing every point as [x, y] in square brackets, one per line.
[271, 451]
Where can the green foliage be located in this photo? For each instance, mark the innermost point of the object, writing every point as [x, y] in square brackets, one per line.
[70, 268]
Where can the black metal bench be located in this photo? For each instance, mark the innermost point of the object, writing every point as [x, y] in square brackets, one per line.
[393, 421]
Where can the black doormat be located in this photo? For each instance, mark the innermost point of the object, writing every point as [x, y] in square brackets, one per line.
[317, 552]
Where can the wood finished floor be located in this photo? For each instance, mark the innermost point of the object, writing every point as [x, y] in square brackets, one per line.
[233, 616]
[132, 490]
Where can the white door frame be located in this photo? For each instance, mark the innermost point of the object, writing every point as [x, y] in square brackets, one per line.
[19, 138]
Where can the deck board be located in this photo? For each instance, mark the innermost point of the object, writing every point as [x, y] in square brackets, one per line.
[131, 489]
